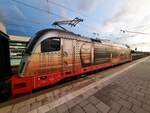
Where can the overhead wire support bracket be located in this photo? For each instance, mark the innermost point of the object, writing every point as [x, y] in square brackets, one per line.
[72, 23]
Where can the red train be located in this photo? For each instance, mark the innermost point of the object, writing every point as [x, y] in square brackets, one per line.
[53, 55]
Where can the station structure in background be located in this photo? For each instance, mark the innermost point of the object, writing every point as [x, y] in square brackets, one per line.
[17, 45]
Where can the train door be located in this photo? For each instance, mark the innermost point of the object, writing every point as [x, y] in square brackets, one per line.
[68, 57]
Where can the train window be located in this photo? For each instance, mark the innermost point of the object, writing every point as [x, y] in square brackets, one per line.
[50, 44]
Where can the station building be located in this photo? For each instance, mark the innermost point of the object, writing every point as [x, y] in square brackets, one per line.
[17, 45]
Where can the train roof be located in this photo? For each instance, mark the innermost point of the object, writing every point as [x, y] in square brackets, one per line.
[89, 39]
[64, 34]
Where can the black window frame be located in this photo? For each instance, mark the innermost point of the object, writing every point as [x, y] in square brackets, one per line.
[50, 46]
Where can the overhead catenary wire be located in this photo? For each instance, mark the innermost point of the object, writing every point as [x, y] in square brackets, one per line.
[26, 20]
[24, 26]
[72, 10]
[21, 25]
[48, 12]
[69, 9]
[85, 26]
[37, 8]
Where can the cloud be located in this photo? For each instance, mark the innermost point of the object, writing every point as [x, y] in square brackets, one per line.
[1, 18]
[88, 5]
[64, 13]
[17, 12]
[131, 15]
[11, 11]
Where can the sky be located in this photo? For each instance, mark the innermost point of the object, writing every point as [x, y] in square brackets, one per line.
[105, 17]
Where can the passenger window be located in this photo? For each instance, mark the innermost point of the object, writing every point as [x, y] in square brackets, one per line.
[50, 44]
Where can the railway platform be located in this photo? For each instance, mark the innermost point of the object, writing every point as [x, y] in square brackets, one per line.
[121, 89]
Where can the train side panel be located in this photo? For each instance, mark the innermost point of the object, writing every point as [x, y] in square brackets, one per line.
[68, 57]
[120, 55]
[102, 54]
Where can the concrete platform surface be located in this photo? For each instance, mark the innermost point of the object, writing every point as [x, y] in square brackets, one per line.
[128, 93]
[123, 89]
